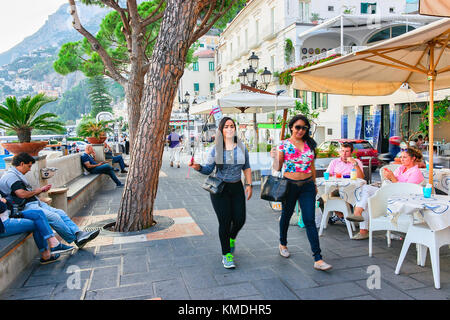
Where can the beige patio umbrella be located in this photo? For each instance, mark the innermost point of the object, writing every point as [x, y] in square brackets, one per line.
[440, 8]
[420, 58]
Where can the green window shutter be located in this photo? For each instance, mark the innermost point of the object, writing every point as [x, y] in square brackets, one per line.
[313, 101]
[364, 6]
[195, 66]
[211, 86]
[296, 93]
[305, 96]
[211, 66]
[325, 101]
[196, 87]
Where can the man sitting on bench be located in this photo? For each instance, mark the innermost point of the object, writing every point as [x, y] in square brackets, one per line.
[115, 159]
[88, 161]
[13, 182]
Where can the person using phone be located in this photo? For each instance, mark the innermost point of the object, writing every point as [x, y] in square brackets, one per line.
[408, 172]
[14, 183]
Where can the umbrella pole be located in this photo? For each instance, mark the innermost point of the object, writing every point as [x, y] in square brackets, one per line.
[431, 79]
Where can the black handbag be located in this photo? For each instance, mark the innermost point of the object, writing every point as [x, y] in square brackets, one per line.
[273, 188]
[213, 184]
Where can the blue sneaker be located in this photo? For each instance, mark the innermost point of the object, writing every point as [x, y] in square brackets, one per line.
[52, 258]
[228, 261]
[61, 248]
[232, 245]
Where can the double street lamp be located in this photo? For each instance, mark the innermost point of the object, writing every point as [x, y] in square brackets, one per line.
[186, 106]
[249, 76]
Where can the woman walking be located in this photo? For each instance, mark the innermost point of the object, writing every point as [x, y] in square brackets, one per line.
[229, 156]
[297, 155]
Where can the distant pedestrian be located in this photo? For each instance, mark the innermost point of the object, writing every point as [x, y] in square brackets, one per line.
[174, 141]
[297, 155]
[122, 143]
[127, 145]
[229, 156]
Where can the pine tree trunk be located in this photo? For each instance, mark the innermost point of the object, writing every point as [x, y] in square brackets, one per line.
[133, 95]
[166, 68]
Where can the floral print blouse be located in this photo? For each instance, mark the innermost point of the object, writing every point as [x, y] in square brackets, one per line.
[294, 159]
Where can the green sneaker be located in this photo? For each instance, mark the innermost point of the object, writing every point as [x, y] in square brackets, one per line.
[232, 241]
[228, 261]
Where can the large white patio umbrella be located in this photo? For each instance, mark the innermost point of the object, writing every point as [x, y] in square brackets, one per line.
[420, 58]
[245, 102]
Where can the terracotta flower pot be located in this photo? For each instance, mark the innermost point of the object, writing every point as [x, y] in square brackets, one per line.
[32, 148]
[94, 140]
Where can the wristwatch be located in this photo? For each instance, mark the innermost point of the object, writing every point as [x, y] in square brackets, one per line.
[248, 185]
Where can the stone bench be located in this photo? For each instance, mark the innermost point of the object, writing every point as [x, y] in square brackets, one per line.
[72, 185]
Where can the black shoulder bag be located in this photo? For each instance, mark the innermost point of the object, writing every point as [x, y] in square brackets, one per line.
[273, 188]
[213, 184]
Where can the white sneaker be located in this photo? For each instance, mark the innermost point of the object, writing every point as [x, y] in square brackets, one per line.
[284, 252]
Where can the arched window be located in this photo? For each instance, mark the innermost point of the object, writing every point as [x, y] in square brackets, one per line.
[389, 33]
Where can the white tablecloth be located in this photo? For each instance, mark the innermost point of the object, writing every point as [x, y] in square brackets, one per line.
[441, 178]
[349, 190]
[435, 211]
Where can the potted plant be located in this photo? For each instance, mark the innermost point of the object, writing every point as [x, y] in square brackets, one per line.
[21, 117]
[94, 132]
[315, 18]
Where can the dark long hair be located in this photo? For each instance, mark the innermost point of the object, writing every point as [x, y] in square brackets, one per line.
[220, 141]
[306, 138]
[222, 125]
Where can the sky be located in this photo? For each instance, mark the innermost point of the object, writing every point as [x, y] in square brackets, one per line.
[21, 18]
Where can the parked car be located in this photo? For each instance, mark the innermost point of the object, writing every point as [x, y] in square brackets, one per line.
[81, 145]
[363, 149]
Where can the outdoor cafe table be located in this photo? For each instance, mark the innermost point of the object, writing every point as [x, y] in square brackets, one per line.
[349, 190]
[441, 178]
[435, 211]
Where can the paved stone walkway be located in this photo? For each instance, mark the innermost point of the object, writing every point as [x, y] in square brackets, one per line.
[184, 260]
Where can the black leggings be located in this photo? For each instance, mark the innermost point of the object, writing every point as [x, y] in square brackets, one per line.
[229, 206]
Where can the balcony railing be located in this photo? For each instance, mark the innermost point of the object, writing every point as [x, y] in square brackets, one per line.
[345, 50]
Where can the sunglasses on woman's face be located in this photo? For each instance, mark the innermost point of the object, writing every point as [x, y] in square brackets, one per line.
[298, 128]
[404, 149]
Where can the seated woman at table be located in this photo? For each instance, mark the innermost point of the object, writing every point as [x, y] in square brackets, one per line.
[408, 172]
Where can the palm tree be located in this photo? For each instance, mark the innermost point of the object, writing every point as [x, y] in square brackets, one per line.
[21, 116]
[94, 129]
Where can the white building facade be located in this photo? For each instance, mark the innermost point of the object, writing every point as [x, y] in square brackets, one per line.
[289, 33]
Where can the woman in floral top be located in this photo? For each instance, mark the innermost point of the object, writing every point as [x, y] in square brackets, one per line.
[296, 156]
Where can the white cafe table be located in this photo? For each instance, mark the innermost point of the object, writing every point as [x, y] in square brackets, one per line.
[435, 211]
[349, 190]
[441, 178]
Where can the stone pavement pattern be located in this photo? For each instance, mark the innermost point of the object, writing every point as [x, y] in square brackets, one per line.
[184, 261]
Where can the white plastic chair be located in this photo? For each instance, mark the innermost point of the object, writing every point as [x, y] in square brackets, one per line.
[422, 235]
[336, 204]
[377, 206]
[391, 167]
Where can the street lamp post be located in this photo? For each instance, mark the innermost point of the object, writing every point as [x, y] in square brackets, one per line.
[249, 77]
[186, 106]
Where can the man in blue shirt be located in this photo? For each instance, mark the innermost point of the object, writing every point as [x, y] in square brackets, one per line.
[88, 161]
[174, 147]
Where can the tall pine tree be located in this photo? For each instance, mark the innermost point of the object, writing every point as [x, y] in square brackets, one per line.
[99, 96]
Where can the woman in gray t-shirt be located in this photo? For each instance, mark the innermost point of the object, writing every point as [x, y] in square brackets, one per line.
[230, 157]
